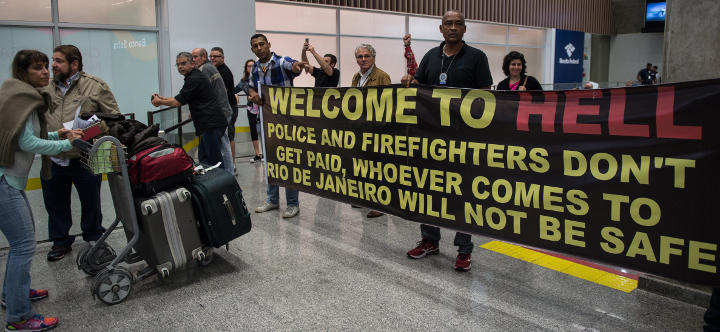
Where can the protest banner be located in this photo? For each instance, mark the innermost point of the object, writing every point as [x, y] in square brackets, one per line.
[624, 176]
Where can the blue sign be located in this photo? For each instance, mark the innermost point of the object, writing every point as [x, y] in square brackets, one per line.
[569, 56]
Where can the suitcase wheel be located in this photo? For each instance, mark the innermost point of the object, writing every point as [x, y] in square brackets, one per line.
[205, 257]
[113, 286]
[164, 273]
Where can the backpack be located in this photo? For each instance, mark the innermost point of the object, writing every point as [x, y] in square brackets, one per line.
[159, 168]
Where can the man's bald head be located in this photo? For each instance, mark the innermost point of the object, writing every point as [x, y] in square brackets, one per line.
[453, 27]
[453, 12]
[199, 56]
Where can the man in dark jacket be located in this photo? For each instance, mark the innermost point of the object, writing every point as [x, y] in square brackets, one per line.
[205, 111]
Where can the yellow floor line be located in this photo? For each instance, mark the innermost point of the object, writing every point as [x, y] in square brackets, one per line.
[588, 273]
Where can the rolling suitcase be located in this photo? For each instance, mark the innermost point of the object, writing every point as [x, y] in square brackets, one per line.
[169, 236]
[219, 206]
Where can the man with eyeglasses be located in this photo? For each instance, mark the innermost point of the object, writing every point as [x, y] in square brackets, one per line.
[273, 69]
[369, 75]
[452, 64]
[217, 58]
[205, 110]
[200, 59]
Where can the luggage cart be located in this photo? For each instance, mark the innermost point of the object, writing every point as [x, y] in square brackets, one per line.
[114, 282]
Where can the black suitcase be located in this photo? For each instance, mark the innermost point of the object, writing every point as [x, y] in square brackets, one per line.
[169, 236]
[219, 207]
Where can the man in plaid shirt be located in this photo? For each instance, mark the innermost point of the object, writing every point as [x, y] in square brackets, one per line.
[273, 69]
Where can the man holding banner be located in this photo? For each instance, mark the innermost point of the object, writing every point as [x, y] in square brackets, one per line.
[272, 69]
[447, 65]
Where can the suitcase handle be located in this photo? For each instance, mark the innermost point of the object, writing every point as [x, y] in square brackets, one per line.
[229, 208]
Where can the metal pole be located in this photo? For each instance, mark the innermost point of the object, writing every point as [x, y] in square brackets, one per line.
[179, 119]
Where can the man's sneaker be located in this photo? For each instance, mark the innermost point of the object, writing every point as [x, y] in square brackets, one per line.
[256, 159]
[462, 263]
[35, 294]
[423, 249]
[266, 207]
[57, 253]
[35, 323]
[291, 211]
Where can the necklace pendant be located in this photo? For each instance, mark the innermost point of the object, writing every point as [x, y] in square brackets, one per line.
[264, 68]
[443, 78]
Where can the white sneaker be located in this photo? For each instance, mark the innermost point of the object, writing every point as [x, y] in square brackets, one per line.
[266, 207]
[291, 211]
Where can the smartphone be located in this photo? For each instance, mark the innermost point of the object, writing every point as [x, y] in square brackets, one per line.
[307, 40]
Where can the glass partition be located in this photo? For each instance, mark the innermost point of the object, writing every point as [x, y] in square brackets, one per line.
[25, 10]
[119, 12]
[359, 23]
[495, 55]
[280, 17]
[14, 39]
[126, 60]
[485, 33]
[526, 36]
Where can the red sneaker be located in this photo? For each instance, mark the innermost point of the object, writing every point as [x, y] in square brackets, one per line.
[38, 294]
[462, 263]
[35, 323]
[423, 249]
[35, 294]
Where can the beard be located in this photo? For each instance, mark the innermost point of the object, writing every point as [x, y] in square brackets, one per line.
[61, 76]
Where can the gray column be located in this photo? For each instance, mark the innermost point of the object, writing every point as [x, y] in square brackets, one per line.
[692, 40]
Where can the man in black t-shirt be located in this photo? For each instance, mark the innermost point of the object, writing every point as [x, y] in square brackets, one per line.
[452, 64]
[645, 75]
[205, 111]
[325, 76]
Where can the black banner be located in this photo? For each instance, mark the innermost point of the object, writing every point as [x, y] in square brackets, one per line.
[624, 176]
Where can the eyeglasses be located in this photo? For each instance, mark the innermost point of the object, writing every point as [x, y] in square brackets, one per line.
[360, 56]
[181, 64]
[216, 56]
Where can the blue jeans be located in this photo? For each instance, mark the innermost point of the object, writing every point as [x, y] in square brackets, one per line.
[227, 158]
[56, 194]
[17, 225]
[273, 195]
[210, 146]
[462, 240]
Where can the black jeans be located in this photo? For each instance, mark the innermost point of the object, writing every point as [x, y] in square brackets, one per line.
[56, 194]
[462, 240]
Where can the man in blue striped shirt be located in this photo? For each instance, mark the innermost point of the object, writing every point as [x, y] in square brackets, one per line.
[273, 69]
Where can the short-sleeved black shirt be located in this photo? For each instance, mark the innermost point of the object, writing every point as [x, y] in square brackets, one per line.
[467, 69]
[323, 80]
[200, 96]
